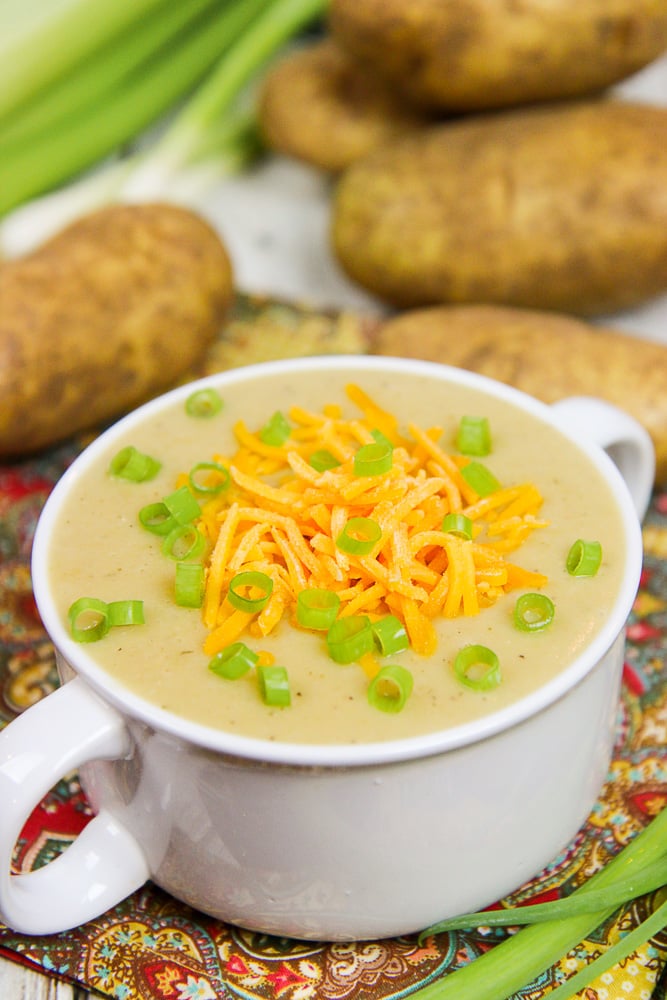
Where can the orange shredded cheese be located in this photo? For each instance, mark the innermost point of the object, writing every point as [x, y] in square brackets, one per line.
[282, 517]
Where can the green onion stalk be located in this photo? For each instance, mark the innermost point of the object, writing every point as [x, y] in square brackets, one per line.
[553, 929]
[132, 100]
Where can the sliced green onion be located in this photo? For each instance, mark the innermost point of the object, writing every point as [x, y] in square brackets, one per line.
[480, 478]
[276, 430]
[249, 580]
[209, 477]
[350, 638]
[457, 524]
[474, 436]
[533, 612]
[184, 542]
[89, 619]
[584, 558]
[390, 688]
[182, 505]
[373, 459]
[317, 608]
[478, 667]
[189, 584]
[203, 403]
[322, 460]
[390, 635]
[274, 685]
[359, 536]
[234, 661]
[156, 518]
[382, 438]
[125, 613]
[134, 465]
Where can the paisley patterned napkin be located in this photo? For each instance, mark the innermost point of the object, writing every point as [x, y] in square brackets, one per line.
[152, 947]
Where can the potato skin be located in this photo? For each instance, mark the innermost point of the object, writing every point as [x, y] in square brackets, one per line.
[105, 314]
[320, 107]
[562, 208]
[471, 55]
[547, 355]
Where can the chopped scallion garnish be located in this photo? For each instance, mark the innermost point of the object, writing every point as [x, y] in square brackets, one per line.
[243, 587]
[390, 635]
[584, 558]
[359, 536]
[533, 612]
[209, 477]
[350, 638]
[156, 518]
[381, 438]
[373, 459]
[125, 613]
[480, 478]
[134, 465]
[317, 608]
[189, 584]
[182, 505]
[457, 524]
[89, 619]
[322, 460]
[276, 430]
[234, 661]
[203, 403]
[390, 688]
[274, 685]
[474, 436]
[478, 667]
[183, 542]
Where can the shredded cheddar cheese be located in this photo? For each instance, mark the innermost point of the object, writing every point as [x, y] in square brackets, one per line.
[282, 517]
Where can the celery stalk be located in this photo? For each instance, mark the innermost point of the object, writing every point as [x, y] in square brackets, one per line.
[90, 81]
[509, 966]
[211, 136]
[187, 134]
[28, 169]
[51, 35]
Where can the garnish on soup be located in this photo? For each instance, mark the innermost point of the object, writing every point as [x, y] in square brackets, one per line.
[338, 545]
[352, 528]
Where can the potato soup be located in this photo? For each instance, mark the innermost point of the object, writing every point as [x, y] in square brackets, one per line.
[100, 549]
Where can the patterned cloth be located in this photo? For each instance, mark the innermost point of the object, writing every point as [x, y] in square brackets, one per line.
[152, 947]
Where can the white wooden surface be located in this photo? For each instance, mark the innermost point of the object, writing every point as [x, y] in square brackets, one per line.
[20, 983]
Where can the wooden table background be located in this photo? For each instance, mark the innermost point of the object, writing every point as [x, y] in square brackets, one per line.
[20, 983]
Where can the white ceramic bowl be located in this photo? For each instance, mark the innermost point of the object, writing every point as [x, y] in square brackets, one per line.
[319, 842]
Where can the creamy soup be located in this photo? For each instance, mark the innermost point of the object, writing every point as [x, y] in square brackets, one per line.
[101, 550]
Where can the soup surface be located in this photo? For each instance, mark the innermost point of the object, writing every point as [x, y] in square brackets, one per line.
[101, 550]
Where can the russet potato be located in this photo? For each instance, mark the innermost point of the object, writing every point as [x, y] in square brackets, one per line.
[105, 314]
[317, 105]
[561, 207]
[547, 355]
[473, 55]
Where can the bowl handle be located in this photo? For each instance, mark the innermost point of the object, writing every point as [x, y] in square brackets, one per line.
[627, 443]
[104, 864]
